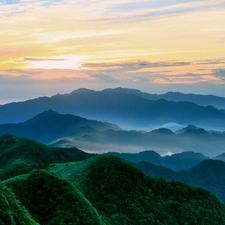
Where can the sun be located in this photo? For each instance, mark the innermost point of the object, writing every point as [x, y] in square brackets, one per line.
[68, 62]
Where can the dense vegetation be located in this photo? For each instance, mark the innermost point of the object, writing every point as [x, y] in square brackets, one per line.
[209, 174]
[21, 155]
[11, 210]
[124, 195]
[100, 190]
[52, 200]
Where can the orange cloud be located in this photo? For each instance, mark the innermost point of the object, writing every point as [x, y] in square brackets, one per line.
[83, 40]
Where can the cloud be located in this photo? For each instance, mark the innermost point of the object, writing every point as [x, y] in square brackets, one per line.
[133, 66]
[220, 73]
[44, 2]
[80, 33]
[140, 79]
[47, 75]
[211, 62]
[139, 10]
[165, 64]
[18, 85]
[142, 44]
[105, 78]
[188, 78]
[169, 72]
[41, 59]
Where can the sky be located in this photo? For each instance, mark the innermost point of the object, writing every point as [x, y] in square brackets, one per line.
[56, 46]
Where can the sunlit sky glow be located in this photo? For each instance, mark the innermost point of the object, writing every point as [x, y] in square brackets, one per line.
[55, 46]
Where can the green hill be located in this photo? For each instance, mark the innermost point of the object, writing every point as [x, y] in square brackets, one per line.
[21, 155]
[11, 210]
[52, 200]
[209, 174]
[124, 195]
[69, 186]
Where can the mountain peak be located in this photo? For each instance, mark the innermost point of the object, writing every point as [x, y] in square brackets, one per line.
[77, 91]
[80, 90]
[162, 131]
[48, 112]
[189, 127]
[123, 90]
[192, 127]
[189, 155]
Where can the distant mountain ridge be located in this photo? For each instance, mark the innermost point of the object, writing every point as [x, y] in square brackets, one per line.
[50, 125]
[125, 108]
[202, 100]
[179, 161]
[66, 130]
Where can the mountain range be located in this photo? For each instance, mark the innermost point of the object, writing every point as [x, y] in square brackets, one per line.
[46, 178]
[178, 161]
[126, 107]
[50, 125]
[202, 100]
[96, 189]
[66, 130]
